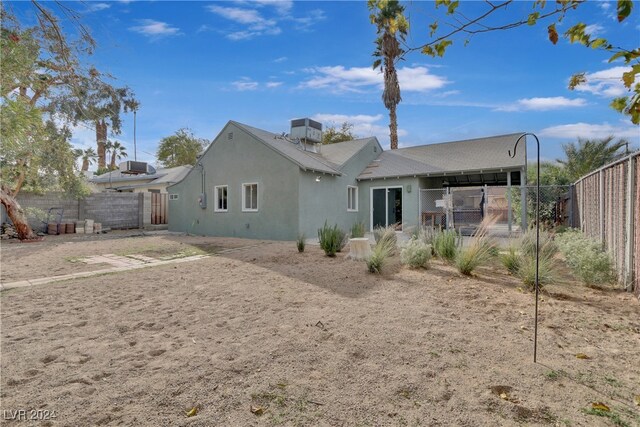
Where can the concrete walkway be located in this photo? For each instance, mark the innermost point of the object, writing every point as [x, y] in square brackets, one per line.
[119, 263]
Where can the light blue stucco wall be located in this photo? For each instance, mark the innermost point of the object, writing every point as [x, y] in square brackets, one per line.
[327, 199]
[232, 162]
[410, 199]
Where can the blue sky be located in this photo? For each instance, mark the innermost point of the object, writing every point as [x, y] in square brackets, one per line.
[263, 63]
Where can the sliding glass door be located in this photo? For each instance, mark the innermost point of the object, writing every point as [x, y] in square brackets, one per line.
[386, 207]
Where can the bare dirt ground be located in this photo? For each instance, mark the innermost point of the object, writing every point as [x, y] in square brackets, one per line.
[267, 336]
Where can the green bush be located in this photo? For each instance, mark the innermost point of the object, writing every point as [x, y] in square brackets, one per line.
[331, 239]
[546, 271]
[386, 235]
[511, 260]
[357, 230]
[415, 253]
[548, 247]
[446, 244]
[300, 243]
[384, 248]
[585, 257]
[480, 250]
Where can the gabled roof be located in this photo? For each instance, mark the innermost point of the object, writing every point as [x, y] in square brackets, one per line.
[162, 176]
[330, 160]
[478, 154]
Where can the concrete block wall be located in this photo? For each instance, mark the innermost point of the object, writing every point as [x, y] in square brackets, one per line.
[44, 202]
[112, 210]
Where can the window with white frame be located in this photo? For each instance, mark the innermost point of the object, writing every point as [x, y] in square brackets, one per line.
[352, 199]
[173, 196]
[250, 197]
[220, 196]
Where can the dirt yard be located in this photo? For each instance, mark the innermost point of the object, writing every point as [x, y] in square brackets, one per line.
[263, 335]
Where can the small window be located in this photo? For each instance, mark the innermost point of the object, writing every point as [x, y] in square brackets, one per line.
[220, 196]
[250, 197]
[352, 199]
[173, 197]
[230, 135]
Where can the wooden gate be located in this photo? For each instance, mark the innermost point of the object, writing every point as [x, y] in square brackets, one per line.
[159, 208]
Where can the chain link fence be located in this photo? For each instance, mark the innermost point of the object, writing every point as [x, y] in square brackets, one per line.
[607, 209]
[463, 208]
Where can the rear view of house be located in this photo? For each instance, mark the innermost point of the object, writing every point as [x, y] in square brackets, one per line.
[257, 184]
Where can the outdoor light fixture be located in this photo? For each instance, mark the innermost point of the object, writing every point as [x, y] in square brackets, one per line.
[318, 178]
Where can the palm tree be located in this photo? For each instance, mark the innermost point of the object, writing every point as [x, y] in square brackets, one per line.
[89, 157]
[117, 150]
[590, 154]
[392, 28]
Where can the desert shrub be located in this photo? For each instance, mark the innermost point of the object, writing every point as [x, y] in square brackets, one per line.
[511, 259]
[546, 271]
[357, 230]
[383, 249]
[387, 235]
[585, 257]
[425, 235]
[415, 253]
[480, 250]
[343, 239]
[300, 243]
[548, 247]
[331, 239]
[446, 244]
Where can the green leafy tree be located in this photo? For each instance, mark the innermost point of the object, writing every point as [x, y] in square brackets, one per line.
[39, 66]
[588, 155]
[179, 149]
[332, 134]
[492, 18]
[392, 28]
[550, 174]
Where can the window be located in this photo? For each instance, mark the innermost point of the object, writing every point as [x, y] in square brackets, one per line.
[352, 199]
[220, 196]
[173, 197]
[250, 197]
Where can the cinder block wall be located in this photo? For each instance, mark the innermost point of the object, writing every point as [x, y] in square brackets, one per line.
[113, 210]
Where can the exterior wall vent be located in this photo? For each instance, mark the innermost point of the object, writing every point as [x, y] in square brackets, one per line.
[230, 135]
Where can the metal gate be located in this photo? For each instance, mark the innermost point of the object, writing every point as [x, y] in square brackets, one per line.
[159, 208]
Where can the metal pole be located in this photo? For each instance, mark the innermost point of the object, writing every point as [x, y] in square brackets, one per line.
[537, 284]
[135, 155]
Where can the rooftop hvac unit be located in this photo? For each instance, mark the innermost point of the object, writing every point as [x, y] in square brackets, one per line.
[136, 168]
[307, 130]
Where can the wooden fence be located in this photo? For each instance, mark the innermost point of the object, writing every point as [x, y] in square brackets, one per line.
[159, 208]
[608, 210]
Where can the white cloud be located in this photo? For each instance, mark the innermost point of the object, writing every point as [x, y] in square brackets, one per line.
[281, 59]
[245, 83]
[605, 5]
[364, 125]
[273, 84]
[341, 79]
[263, 17]
[607, 83]
[590, 131]
[543, 104]
[594, 30]
[155, 29]
[96, 7]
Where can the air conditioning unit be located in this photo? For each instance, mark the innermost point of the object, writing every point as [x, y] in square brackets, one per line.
[135, 168]
[306, 130]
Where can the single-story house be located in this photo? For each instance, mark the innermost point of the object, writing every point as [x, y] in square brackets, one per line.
[156, 182]
[258, 184]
